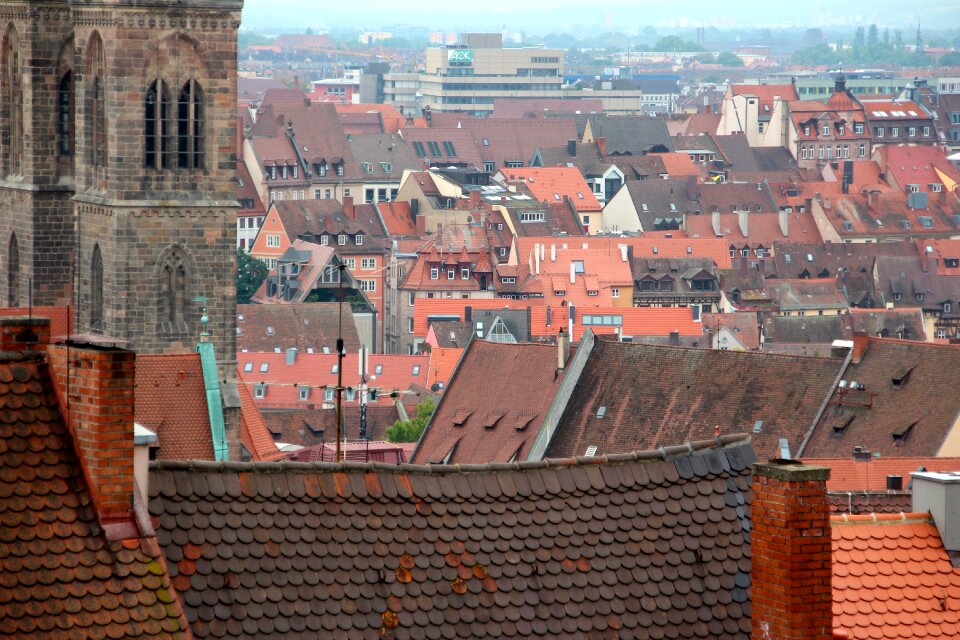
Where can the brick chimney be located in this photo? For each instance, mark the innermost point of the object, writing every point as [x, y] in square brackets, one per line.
[95, 385]
[474, 200]
[602, 146]
[791, 548]
[22, 333]
[348, 209]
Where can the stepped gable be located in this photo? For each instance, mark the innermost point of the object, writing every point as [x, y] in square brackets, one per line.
[615, 546]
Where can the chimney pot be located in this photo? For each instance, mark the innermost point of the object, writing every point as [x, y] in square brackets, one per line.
[563, 349]
[348, 208]
[860, 342]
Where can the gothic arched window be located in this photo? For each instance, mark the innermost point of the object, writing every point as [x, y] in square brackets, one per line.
[173, 291]
[157, 127]
[190, 126]
[13, 272]
[65, 115]
[96, 291]
[12, 104]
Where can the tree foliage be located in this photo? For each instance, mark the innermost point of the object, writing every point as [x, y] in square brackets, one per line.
[410, 430]
[675, 43]
[728, 59]
[250, 275]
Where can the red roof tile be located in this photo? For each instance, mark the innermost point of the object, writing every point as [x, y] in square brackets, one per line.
[766, 93]
[556, 184]
[443, 362]
[171, 401]
[253, 430]
[892, 578]
[468, 429]
[61, 318]
[847, 474]
[59, 575]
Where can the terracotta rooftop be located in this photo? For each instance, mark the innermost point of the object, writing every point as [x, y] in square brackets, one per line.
[59, 575]
[902, 409]
[534, 550]
[688, 393]
[312, 427]
[766, 93]
[254, 434]
[555, 185]
[468, 428]
[171, 401]
[848, 474]
[892, 578]
[61, 318]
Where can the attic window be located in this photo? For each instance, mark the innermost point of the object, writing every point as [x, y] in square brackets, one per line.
[264, 366]
[601, 412]
[591, 451]
[335, 368]
[951, 263]
[460, 417]
[491, 420]
[248, 367]
[486, 142]
[416, 369]
[269, 330]
[240, 317]
[925, 221]
[906, 224]
[259, 390]
[842, 427]
[900, 378]
[644, 207]
[902, 433]
[379, 369]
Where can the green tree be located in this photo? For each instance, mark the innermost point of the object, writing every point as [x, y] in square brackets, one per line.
[675, 43]
[950, 59]
[410, 430]
[859, 37]
[250, 275]
[728, 59]
[704, 58]
[873, 38]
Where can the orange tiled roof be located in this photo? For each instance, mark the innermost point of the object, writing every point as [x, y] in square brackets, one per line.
[553, 184]
[171, 401]
[847, 474]
[679, 164]
[443, 362]
[253, 430]
[892, 578]
[765, 93]
[61, 318]
[643, 247]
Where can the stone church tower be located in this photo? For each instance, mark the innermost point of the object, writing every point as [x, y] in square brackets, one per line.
[117, 166]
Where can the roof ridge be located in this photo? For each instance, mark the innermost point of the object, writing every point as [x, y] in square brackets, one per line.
[910, 517]
[720, 443]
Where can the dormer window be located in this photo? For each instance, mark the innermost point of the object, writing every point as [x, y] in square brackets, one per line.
[806, 129]
[358, 239]
[324, 240]
[464, 274]
[858, 128]
[434, 273]
[342, 239]
[919, 297]
[451, 274]
[826, 130]
[321, 169]
[840, 130]
[283, 172]
[946, 307]
[296, 172]
[339, 168]
[273, 172]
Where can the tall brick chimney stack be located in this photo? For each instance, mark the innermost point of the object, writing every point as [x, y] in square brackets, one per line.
[95, 385]
[791, 549]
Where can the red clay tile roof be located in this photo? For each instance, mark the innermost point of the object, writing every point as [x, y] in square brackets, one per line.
[903, 410]
[679, 164]
[762, 228]
[744, 324]
[917, 165]
[59, 576]
[765, 93]
[443, 362]
[554, 184]
[312, 427]
[397, 218]
[847, 474]
[264, 327]
[655, 395]
[468, 428]
[657, 540]
[870, 502]
[253, 430]
[892, 578]
[171, 401]
[391, 118]
[61, 318]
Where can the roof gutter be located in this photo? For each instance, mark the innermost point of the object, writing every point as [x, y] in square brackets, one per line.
[211, 383]
[823, 405]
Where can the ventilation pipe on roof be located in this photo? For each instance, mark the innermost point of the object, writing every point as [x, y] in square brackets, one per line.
[563, 349]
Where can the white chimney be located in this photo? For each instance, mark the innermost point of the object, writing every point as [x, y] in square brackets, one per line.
[785, 224]
[536, 258]
[742, 219]
[553, 253]
[624, 249]
[715, 220]
[563, 349]
[939, 493]
[573, 273]
[543, 252]
[291, 355]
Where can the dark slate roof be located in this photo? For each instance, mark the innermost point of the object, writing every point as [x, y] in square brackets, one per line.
[59, 576]
[264, 327]
[310, 427]
[633, 135]
[650, 544]
[906, 409]
[657, 395]
[807, 329]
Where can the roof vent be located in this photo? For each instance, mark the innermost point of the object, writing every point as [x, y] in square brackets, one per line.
[591, 451]
[758, 426]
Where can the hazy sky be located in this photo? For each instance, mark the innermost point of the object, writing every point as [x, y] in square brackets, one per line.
[580, 15]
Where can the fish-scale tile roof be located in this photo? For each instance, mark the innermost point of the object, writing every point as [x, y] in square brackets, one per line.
[648, 544]
[59, 576]
[892, 578]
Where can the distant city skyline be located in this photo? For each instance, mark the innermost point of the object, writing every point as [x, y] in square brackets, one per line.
[575, 15]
